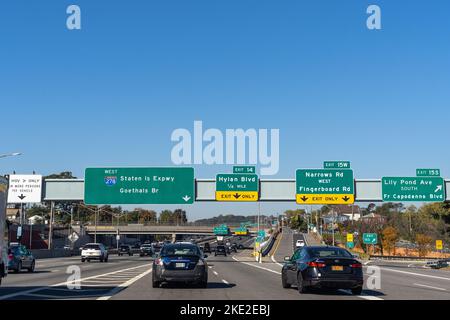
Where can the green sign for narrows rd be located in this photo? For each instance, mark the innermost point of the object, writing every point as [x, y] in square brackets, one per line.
[152, 185]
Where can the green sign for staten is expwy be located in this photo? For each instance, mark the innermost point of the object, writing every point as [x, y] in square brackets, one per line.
[151, 185]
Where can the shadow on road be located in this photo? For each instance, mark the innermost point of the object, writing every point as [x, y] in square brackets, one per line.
[52, 293]
[211, 285]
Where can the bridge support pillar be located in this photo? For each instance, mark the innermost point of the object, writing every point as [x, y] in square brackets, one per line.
[174, 237]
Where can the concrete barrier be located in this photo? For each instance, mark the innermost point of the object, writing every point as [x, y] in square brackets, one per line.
[56, 253]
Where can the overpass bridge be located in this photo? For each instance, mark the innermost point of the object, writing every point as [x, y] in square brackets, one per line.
[153, 230]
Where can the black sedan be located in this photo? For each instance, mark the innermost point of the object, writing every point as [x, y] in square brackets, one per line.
[322, 267]
[180, 262]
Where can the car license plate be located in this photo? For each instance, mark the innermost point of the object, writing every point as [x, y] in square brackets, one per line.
[179, 265]
[337, 268]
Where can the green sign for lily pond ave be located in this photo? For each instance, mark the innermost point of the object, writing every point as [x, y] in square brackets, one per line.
[428, 172]
[429, 189]
[244, 169]
[153, 185]
[336, 164]
[370, 238]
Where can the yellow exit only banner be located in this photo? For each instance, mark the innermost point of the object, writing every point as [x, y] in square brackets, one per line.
[325, 198]
[236, 195]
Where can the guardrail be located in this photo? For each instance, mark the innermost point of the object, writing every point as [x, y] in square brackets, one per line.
[375, 257]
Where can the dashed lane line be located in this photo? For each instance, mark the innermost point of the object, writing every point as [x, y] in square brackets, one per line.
[431, 287]
[225, 281]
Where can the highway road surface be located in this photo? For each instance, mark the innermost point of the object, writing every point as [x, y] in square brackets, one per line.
[237, 276]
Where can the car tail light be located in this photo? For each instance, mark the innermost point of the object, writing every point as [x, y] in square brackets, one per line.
[316, 264]
[356, 265]
[159, 262]
[10, 256]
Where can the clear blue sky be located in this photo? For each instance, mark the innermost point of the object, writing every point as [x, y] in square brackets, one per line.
[112, 93]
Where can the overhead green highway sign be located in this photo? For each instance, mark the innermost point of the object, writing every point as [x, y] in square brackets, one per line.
[221, 230]
[428, 189]
[336, 164]
[237, 187]
[244, 169]
[428, 172]
[153, 185]
[324, 186]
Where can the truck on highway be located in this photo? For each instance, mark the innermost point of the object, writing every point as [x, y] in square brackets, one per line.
[3, 229]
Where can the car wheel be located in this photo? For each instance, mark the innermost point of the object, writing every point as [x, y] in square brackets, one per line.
[284, 282]
[155, 284]
[357, 290]
[300, 283]
[101, 259]
[83, 260]
[19, 267]
[88, 260]
[31, 268]
[130, 254]
[106, 259]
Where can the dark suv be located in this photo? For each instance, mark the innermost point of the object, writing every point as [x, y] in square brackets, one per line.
[125, 249]
[146, 250]
[220, 249]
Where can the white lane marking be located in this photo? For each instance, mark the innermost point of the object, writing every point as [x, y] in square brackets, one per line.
[209, 267]
[124, 285]
[259, 267]
[25, 292]
[431, 287]
[367, 297]
[215, 273]
[367, 262]
[416, 274]
[275, 261]
[225, 281]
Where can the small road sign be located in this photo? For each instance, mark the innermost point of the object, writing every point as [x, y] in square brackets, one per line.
[370, 238]
[428, 172]
[244, 169]
[25, 188]
[349, 237]
[439, 245]
[73, 237]
[336, 164]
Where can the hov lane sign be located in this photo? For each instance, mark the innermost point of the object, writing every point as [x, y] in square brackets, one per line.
[25, 188]
[324, 186]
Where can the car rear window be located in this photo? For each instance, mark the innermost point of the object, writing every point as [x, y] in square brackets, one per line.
[92, 246]
[329, 253]
[180, 250]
